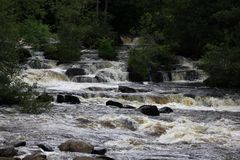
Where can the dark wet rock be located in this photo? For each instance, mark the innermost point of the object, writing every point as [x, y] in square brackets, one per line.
[99, 151]
[20, 144]
[8, 152]
[71, 72]
[72, 99]
[36, 156]
[104, 158]
[165, 110]
[45, 98]
[76, 146]
[84, 79]
[189, 95]
[128, 107]
[60, 99]
[113, 103]
[149, 110]
[161, 76]
[38, 64]
[23, 54]
[45, 147]
[125, 89]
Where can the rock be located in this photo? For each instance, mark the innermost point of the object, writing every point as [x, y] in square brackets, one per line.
[8, 152]
[128, 107]
[76, 146]
[71, 72]
[189, 95]
[99, 151]
[20, 144]
[113, 103]
[60, 99]
[45, 147]
[72, 99]
[125, 89]
[38, 64]
[36, 156]
[104, 158]
[161, 76]
[23, 54]
[149, 110]
[165, 110]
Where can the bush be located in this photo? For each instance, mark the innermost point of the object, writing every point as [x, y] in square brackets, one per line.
[143, 64]
[106, 49]
[35, 33]
[222, 65]
[31, 103]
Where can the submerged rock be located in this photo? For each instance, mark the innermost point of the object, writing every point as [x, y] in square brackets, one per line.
[45, 147]
[20, 144]
[72, 99]
[36, 156]
[7, 158]
[8, 152]
[76, 146]
[165, 110]
[113, 103]
[68, 99]
[60, 99]
[71, 72]
[125, 89]
[99, 151]
[149, 110]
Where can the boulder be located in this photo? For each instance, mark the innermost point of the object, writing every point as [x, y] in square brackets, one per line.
[76, 146]
[165, 110]
[20, 144]
[60, 99]
[149, 110]
[113, 103]
[71, 72]
[125, 89]
[8, 152]
[36, 156]
[72, 99]
[128, 107]
[99, 151]
[45, 147]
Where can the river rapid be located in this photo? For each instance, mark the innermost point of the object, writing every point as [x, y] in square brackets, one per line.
[205, 123]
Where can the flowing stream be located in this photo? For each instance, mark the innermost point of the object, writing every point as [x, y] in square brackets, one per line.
[205, 123]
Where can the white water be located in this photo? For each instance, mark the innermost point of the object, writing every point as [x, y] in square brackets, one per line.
[199, 128]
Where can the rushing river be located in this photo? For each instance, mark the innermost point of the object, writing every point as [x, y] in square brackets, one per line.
[205, 123]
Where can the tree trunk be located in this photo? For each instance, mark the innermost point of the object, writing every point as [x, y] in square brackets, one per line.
[97, 9]
[105, 10]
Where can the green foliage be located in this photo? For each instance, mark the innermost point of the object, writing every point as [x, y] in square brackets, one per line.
[222, 64]
[30, 103]
[35, 33]
[144, 63]
[106, 49]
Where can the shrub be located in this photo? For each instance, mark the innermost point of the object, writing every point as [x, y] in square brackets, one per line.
[106, 49]
[144, 63]
[222, 65]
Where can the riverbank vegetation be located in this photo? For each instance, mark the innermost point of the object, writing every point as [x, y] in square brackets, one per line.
[196, 29]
